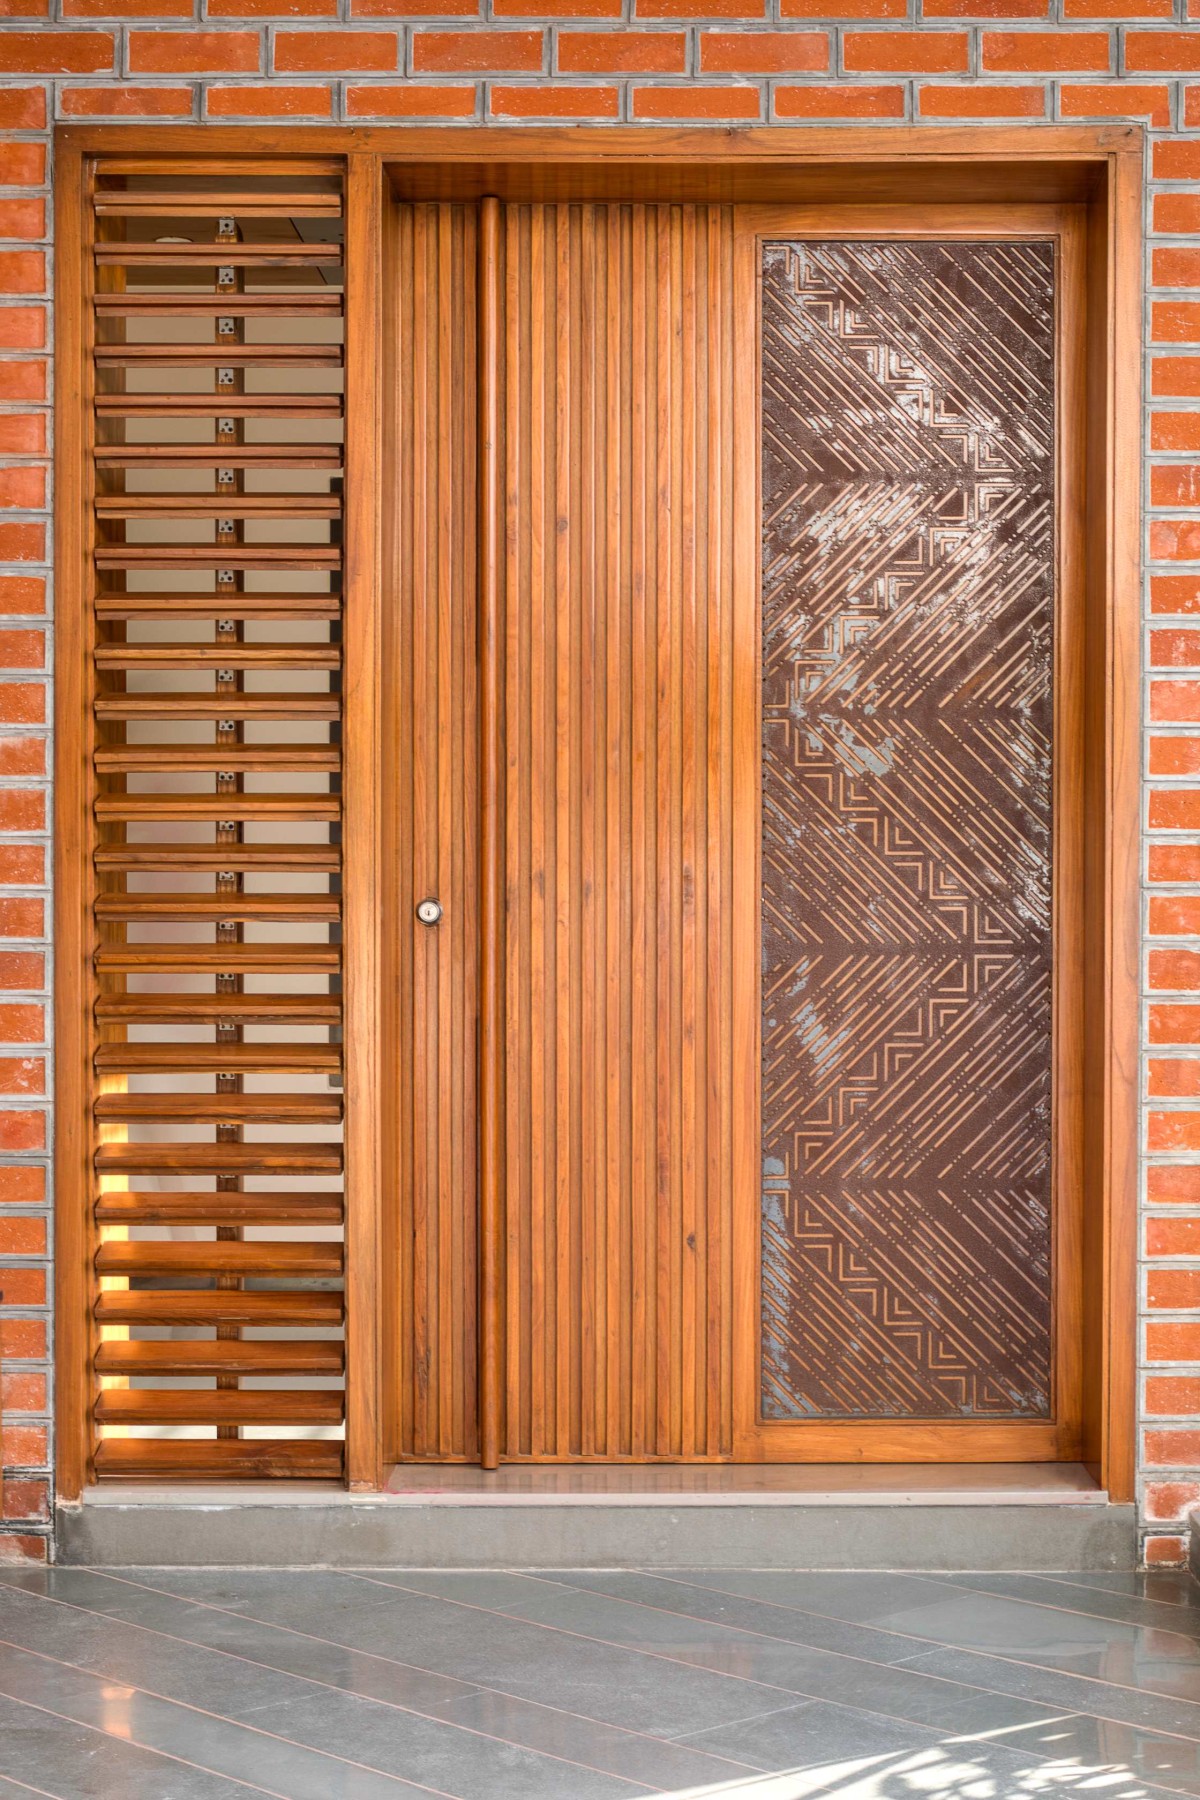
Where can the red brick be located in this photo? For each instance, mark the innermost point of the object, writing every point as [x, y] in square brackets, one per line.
[22, 756]
[829, 101]
[1165, 1552]
[1191, 106]
[24, 165]
[22, 862]
[194, 52]
[1171, 756]
[950, 101]
[415, 9]
[22, 1446]
[22, 1237]
[337, 52]
[541, 102]
[24, 1549]
[22, 1022]
[985, 9]
[22, 1337]
[1172, 1449]
[1175, 540]
[1173, 267]
[22, 1391]
[562, 9]
[126, 102]
[1054, 52]
[22, 109]
[1173, 1290]
[22, 594]
[1174, 1078]
[22, 1286]
[26, 1500]
[22, 649]
[58, 52]
[1128, 100]
[1173, 1132]
[1173, 1340]
[1175, 322]
[272, 9]
[23, 487]
[1177, 648]
[1178, 159]
[24, 9]
[22, 327]
[21, 916]
[1175, 484]
[844, 9]
[1175, 593]
[1173, 809]
[1176, 212]
[22, 540]
[905, 52]
[22, 1184]
[693, 102]
[1172, 1396]
[477, 52]
[22, 1075]
[276, 101]
[410, 101]
[1175, 431]
[1173, 1237]
[1173, 971]
[22, 434]
[771, 52]
[622, 52]
[701, 9]
[1118, 9]
[1168, 52]
[22, 809]
[22, 272]
[20, 968]
[23, 381]
[22, 218]
[128, 9]
[22, 703]
[1175, 1025]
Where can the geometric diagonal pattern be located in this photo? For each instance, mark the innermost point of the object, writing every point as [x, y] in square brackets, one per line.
[908, 571]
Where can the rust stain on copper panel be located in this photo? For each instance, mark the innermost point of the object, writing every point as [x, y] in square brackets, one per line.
[908, 589]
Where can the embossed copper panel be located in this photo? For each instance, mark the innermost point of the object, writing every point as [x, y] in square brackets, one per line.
[907, 594]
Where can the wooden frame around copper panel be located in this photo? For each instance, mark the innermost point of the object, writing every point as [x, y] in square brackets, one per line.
[1059, 1438]
[1099, 165]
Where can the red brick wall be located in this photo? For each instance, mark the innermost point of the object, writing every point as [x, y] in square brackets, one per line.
[613, 61]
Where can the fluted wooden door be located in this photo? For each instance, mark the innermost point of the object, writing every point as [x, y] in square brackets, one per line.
[734, 655]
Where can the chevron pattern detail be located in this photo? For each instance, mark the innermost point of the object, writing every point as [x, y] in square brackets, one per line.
[908, 575]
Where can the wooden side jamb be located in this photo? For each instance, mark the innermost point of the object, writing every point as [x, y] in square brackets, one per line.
[73, 830]
[361, 827]
[1124, 710]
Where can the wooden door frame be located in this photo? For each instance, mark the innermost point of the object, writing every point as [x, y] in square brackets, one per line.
[1097, 166]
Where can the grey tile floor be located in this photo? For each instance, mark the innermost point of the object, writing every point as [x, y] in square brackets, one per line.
[153, 1684]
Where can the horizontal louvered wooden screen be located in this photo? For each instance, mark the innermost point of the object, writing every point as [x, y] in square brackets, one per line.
[217, 351]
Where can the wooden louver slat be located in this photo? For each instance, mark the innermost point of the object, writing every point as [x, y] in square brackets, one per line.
[215, 675]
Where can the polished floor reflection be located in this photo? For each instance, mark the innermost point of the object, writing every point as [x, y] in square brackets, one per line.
[155, 1684]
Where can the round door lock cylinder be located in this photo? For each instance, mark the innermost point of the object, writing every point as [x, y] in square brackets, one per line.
[429, 911]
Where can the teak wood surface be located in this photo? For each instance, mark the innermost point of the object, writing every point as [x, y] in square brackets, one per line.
[1094, 169]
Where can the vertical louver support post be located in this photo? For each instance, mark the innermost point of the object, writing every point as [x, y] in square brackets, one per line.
[212, 455]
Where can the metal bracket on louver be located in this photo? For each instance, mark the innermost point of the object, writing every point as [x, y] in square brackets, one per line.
[218, 355]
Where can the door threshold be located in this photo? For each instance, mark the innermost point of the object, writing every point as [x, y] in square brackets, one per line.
[749, 1484]
[652, 1484]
